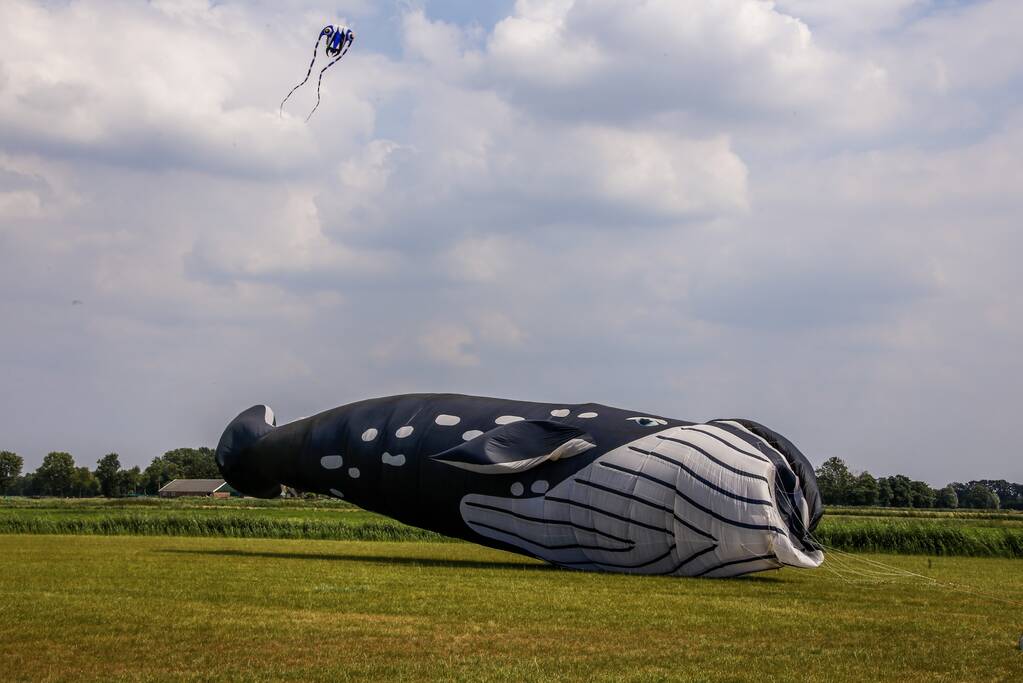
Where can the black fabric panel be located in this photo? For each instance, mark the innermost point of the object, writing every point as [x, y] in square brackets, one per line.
[521, 440]
[799, 464]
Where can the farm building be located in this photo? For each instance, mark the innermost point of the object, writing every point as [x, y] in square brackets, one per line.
[212, 488]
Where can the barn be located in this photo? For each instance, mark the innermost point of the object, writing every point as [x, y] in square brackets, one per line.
[210, 488]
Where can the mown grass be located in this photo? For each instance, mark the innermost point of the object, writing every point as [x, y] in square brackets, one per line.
[201, 609]
[336, 520]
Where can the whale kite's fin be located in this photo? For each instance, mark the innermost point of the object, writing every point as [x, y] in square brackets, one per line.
[517, 447]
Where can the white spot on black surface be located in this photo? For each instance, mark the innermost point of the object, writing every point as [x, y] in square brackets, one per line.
[447, 420]
[369, 434]
[335, 492]
[517, 488]
[331, 462]
[560, 412]
[393, 460]
[587, 416]
[404, 431]
[353, 472]
[539, 486]
[471, 434]
[508, 419]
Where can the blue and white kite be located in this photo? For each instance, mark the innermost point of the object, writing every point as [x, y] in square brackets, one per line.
[339, 39]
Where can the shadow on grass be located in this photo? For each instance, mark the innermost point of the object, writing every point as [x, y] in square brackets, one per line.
[377, 559]
[425, 562]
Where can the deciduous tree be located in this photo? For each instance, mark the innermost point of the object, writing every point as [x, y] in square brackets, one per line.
[10, 469]
[980, 496]
[129, 481]
[159, 473]
[85, 484]
[194, 463]
[107, 468]
[835, 481]
[947, 498]
[864, 490]
[922, 494]
[55, 476]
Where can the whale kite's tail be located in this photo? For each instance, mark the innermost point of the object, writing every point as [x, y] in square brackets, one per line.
[242, 466]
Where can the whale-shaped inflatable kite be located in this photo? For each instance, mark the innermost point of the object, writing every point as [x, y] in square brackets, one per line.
[583, 486]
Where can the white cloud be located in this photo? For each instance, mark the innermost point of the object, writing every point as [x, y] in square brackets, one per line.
[799, 213]
[855, 18]
[713, 61]
[449, 344]
[174, 89]
[19, 204]
[500, 330]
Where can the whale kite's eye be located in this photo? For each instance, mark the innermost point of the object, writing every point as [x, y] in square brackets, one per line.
[648, 421]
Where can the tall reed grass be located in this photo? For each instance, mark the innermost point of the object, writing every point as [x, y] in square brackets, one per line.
[925, 513]
[893, 534]
[920, 537]
[226, 525]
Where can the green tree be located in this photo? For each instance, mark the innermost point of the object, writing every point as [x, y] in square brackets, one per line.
[1010, 495]
[194, 463]
[56, 475]
[864, 490]
[129, 481]
[85, 484]
[947, 498]
[902, 491]
[980, 496]
[25, 485]
[922, 494]
[10, 469]
[834, 481]
[107, 468]
[884, 492]
[159, 473]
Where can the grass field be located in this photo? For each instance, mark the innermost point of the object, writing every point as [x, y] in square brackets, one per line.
[98, 608]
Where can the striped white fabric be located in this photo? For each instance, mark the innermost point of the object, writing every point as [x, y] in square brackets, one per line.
[685, 501]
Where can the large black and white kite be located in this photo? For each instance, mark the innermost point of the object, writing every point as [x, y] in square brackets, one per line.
[583, 486]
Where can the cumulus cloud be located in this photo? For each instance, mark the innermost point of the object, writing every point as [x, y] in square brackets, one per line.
[727, 59]
[176, 88]
[448, 344]
[799, 212]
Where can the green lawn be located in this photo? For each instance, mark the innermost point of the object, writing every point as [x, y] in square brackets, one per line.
[160, 608]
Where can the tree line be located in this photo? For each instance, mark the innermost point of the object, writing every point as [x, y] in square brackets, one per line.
[839, 486]
[59, 475]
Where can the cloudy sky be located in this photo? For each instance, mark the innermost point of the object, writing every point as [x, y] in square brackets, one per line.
[801, 212]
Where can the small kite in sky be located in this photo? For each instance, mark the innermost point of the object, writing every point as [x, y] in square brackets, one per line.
[339, 39]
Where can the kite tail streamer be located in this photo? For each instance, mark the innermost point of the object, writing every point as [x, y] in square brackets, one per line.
[320, 80]
[307, 73]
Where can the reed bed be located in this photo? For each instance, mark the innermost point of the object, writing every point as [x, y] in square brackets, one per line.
[899, 533]
[228, 525]
[926, 513]
[920, 537]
